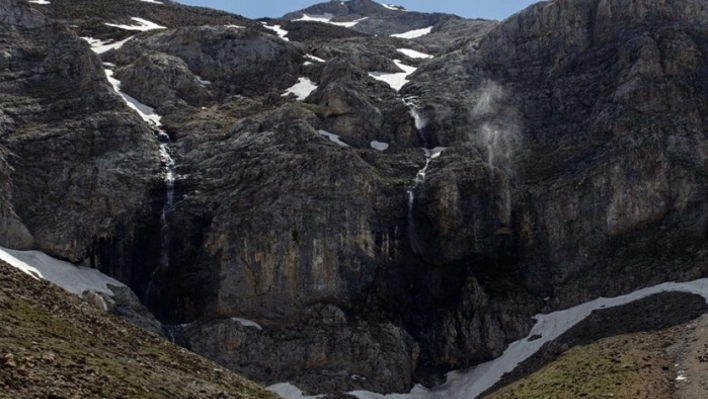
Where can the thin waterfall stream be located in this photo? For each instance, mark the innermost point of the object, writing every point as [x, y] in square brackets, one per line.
[169, 183]
[419, 179]
[153, 119]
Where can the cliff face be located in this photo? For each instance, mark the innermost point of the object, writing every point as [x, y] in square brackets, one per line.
[574, 168]
[589, 118]
[68, 145]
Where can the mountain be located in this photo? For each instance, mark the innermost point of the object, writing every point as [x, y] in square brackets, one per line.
[357, 197]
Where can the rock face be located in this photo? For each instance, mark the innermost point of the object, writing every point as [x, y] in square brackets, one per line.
[324, 351]
[68, 146]
[161, 80]
[373, 17]
[593, 142]
[317, 239]
[89, 17]
[238, 61]
[574, 169]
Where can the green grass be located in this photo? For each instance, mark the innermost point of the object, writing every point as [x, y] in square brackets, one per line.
[627, 366]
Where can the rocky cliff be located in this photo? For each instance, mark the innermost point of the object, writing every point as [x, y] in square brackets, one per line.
[592, 138]
[570, 165]
[77, 164]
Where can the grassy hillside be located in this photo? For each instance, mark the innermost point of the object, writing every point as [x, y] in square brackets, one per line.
[632, 366]
[55, 345]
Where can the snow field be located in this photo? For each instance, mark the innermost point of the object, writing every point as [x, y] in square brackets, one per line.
[73, 279]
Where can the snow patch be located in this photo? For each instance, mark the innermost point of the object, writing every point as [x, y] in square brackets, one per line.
[247, 323]
[143, 25]
[324, 18]
[202, 82]
[100, 47]
[378, 145]
[469, 384]
[289, 391]
[393, 7]
[395, 80]
[74, 279]
[313, 58]
[413, 54]
[282, 33]
[235, 26]
[327, 19]
[414, 33]
[301, 89]
[435, 152]
[147, 113]
[333, 138]
[42, 2]
[152, 1]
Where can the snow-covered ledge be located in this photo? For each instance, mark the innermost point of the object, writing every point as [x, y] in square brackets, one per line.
[73, 279]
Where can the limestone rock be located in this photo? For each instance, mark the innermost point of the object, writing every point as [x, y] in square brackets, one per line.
[68, 144]
[160, 80]
[324, 352]
[240, 61]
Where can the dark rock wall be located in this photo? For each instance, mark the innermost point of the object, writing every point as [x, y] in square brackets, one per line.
[80, 163]
[575, 169]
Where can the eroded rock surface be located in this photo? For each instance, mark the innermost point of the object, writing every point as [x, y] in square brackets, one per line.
[68, 145]
[574, 168]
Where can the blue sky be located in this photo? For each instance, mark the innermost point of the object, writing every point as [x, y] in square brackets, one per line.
[492, 9]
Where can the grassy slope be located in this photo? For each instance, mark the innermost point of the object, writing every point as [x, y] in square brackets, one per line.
[55, 345]
[622, 367]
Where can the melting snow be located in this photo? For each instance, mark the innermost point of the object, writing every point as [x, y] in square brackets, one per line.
[327, 19]
[203, 82]
[152, 1]
[147, 113]
[471, 383]
[235, 26]
[313, 58]
[100, 47]
[74, 279]
[143, 25]
[324, 18]
[43, 2]
[333, 138]
[289, 391]
[393, 7]
[395, 80]
[247, 323]
[301, 89]
[435, 152]
[377, 145]
[414, 33]
[276, 28]
[413, 54]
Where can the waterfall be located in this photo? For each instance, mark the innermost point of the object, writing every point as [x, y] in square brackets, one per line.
[419, 179]
[169, 183]
[153, 119]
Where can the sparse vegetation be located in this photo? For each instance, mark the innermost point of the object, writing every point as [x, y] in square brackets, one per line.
[631, 366]
[55, 345]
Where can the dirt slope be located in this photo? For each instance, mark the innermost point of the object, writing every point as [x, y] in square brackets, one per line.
[56, 345]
